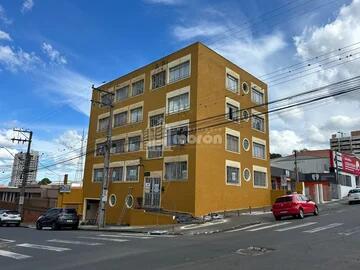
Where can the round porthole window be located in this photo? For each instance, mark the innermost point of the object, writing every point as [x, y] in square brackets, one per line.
[129, 201]
[112, 200]
[245, 88]
[246, 144]
[247, 174]
[245, 115]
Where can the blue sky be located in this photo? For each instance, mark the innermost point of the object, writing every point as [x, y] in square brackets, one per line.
[52, 51]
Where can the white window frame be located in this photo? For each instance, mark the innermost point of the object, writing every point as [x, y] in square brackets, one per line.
[171, 159]
[128, 163]
[260, 169]
[234, 164]
[97, 166]
[235, 104]
[260, 115]
[116, 165]
[154, 113]
[154, 144]
[234, 133]
[262, 142]
[175, 93]
[100, 117]
[175, 125]
[235, 75]
[243, 140]
[176, 63]
[254, 88]
[247, 179]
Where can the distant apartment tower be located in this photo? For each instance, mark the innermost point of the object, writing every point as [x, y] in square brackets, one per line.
[346, 144]
[18, 167]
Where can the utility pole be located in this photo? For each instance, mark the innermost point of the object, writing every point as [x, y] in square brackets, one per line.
[25, 172]
[108, 102]
[293, 186]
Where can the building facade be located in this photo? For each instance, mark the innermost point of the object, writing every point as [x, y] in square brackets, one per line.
[346, 144]
[18, 167]
[189, 135]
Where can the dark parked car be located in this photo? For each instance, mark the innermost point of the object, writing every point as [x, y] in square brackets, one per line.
[295, 205]
[58, 218]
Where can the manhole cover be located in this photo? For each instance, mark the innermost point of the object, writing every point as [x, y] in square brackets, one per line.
[254, 251]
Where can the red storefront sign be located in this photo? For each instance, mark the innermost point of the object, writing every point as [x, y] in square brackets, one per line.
[346, 163]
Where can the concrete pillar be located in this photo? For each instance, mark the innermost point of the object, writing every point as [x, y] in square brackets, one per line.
[321, 193]
[317, 197]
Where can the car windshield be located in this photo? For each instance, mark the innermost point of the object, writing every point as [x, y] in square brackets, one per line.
[284, 199]
[69, 211]
[12, 212]
[354, 191]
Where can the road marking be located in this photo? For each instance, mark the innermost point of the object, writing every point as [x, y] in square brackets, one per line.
[6, 240]
[50, 248]
[247, 227]
[295, 227]
[207, 224]
[330, 226]
[13, 255]
[350, 231]
[127, 236]
[269, 226]
[103, 239]
[75, 242]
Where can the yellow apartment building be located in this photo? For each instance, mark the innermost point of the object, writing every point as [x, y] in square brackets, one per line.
[189, 135]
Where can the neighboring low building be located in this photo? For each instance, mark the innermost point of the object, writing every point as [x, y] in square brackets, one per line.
[326, 174]
[73, 198]
[189, 135]
[37, 199]
[18, 169]
[346, 144]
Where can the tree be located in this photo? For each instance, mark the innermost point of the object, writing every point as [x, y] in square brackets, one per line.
[275, 155]
[45, 181]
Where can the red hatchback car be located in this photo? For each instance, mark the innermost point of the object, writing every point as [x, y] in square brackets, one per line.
[295, 205]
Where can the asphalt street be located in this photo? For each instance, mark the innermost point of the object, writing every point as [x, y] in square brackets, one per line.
[328, 241]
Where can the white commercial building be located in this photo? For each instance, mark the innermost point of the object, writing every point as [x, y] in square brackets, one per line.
[18, 168]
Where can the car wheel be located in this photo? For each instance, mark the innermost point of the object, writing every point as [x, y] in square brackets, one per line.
[316, 211]
[54, 226]
[350, 202]
[75, 227]
[38, 226]
[301, 214]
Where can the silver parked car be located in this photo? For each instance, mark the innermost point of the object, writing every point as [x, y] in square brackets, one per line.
[9, 217]
[354, 195]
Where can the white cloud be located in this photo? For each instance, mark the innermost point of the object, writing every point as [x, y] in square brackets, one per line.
[4, 36]
[165, 2]
[3, 16]
[285, 141]
[342, 122]
[15, 60]
[200, 30]
[53, 54]
[27, 6]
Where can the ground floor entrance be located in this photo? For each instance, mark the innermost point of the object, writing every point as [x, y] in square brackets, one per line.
[152, 192]
[91, 210]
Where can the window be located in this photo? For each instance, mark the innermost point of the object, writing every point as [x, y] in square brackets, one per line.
[118, 146]
[112, 200]
[258, 150]
[156, 120]
[158, 79]
[178, 103]
[258, 123]
[122, 93]
[117, 174]
[155, 151]
[98, 175]
[177, 136]
[232, 175]
[232, 112]
[134, 143]
[136, 115]
[104, 123]
[120, 119]
[176, 170]
[232, 143]
[245, 115]
[260, 179]
[138, 88]
[179, 72]
[100, 149]
[257, 96]
[245, 88]
[345, 180]
[247, 174]
[132, 173]
[246, 144]
[232, 83]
